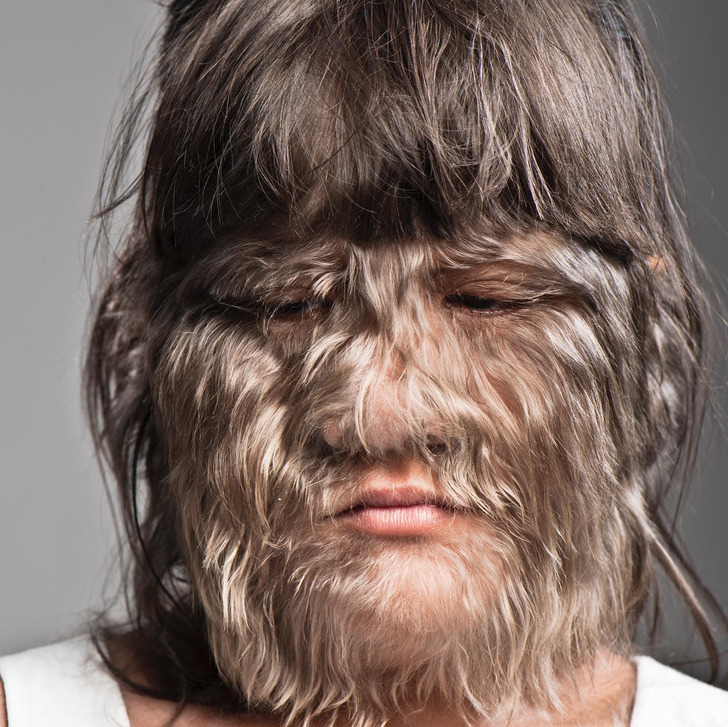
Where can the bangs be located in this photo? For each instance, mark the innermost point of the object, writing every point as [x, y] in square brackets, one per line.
[402, 119]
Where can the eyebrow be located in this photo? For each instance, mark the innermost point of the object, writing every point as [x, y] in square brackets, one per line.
[253, 268]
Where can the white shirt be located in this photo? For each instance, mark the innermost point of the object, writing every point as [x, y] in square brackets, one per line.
[66, 685]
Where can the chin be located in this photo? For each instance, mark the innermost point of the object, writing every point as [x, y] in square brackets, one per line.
[342, 625]
[409, 600]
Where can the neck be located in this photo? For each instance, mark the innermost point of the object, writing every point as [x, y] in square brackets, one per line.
[600, 696]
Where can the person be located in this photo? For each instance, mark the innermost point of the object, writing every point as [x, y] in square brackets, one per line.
[402, 350]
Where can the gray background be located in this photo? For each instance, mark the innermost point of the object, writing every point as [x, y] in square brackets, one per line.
[62, 69]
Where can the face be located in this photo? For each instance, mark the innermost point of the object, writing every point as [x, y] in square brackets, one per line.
[402, 462]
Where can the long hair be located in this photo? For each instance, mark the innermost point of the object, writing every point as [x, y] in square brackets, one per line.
[396, 121]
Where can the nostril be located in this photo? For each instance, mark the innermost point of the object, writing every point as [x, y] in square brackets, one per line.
[436, 445]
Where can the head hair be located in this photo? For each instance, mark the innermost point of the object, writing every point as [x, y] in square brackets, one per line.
[271, 127]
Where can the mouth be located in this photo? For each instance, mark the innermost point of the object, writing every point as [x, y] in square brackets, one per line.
[396, 512]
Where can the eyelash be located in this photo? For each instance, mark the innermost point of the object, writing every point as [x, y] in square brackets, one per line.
[471, 304]
[477, 305]
[297, 307]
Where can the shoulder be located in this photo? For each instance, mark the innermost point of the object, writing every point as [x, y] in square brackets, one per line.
[64, 684]
[667, 698]
[3, 709]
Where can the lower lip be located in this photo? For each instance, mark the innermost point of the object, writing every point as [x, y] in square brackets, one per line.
[396, 521]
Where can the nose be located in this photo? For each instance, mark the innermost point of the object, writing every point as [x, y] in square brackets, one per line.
[379, 419]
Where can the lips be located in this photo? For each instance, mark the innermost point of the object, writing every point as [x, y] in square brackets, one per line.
[396, 502]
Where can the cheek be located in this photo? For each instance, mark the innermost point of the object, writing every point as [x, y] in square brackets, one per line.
[538, 367]
[219, 397]
[546, 431]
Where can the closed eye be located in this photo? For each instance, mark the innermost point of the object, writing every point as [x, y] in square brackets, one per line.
[476, 303]
[247, 308]
[297, 307]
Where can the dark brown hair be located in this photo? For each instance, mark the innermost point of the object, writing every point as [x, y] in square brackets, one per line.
[386, 121]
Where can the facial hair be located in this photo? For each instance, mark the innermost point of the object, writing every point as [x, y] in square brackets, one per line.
[517, 418]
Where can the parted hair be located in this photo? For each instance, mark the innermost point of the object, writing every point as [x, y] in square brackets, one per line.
[370, 143]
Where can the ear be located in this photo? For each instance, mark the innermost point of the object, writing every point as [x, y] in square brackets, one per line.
[657, 264]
